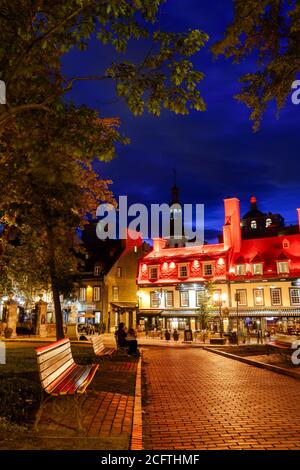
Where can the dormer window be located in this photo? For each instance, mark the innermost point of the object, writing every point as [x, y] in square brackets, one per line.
[283, 267]
[97, 270]
[268, 222]
[285, 244]
[153, 272]
[253, 224]
[240, 269]
[183, 270]
[208, 269]
[257, 269]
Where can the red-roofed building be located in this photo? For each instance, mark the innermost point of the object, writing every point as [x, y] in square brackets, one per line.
[256, 279]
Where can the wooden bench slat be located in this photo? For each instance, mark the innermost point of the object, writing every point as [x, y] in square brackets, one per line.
[99, 348]
[53, 353]
[56, 361]
[69, 383]
[49, 382]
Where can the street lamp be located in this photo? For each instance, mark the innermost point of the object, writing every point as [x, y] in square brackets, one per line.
[219, 298]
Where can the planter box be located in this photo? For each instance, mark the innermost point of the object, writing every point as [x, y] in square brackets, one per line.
[217, 341]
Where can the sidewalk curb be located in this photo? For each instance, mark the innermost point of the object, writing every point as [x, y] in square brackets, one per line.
[137, 426]
[260, 365]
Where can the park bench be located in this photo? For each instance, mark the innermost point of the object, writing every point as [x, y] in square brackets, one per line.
[99, 349]
[285, 344]
[61, 376]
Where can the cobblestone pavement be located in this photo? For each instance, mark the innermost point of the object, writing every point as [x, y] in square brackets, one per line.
[195, 399]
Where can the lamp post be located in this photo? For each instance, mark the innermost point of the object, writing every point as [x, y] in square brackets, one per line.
[219, 298]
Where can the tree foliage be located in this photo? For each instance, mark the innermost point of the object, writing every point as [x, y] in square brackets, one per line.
[35, 34]
[270, 30]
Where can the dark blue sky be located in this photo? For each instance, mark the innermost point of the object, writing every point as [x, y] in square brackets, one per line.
[215, 153]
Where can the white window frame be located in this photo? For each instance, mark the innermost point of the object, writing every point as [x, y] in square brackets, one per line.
[115, 293]
[253, 225]
[279, 270]
[260, 271]
[119, 271]
[154, 304]
[242, 292]
[243, 265]
[97, 294]
[97, 270]
[200, 297]
[276, 289]
[184, 304]
[204, 265]
[167, 303]
[82, 294]
[150, 268]
[291, 295]
[180, 266]
[262, 295]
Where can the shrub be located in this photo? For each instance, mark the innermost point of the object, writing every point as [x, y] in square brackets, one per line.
[19, 398]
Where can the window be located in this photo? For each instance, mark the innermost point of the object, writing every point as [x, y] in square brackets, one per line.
[268, 223]
[258, 297]
[276, 296]
[207, 269]
[135, 249]
[182, 270]
[240, 269]
[253, 224]
[97, 270]
[242, 296]
[97, 294]
[282, 267]
[153, 272]
[169, 298]
[184, 298]
[285, 244]
[154, 299]
[257, 268]
[115, 293]
[82, 294]
[295, 296]
[200, 297]
[119, 271]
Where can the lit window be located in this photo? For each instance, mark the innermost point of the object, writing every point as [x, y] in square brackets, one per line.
[184, 299]
[276, 296]
[115, 293]
[169, 299]
[257, 268]
[242, 296]
[154, 299]
[240, 269]
[153, 272]
[97, 294]
[258, 295]
[135, 249]
[97, 270]
[82, 294]
[119, 271]
[208, 269]
[282, 267]
[182, 270]
[295, 296]
[200, 297]
[253, 224]
[268, 223]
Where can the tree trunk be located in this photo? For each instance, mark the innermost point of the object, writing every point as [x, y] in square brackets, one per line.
[54, 285]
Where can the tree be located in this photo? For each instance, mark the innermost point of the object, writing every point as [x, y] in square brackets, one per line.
[269, 29]
[49, 188]
[34, 36]
[206, 306]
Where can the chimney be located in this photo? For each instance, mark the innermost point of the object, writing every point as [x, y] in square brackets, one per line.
[298, 211]
[233, 234]
[158, 244]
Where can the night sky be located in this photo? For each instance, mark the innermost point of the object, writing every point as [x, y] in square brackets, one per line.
[215, 153]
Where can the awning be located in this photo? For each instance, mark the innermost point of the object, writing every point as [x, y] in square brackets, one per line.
[178, 313]
[124, 305]
[149, 312]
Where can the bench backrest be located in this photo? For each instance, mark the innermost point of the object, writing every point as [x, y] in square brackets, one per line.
[286, 340]
[54, 361]
[98, 345]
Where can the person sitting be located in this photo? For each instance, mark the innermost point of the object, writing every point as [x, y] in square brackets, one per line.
[120, 335]
[132, 342]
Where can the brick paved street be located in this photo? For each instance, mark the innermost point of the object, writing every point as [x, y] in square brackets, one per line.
[199, 400]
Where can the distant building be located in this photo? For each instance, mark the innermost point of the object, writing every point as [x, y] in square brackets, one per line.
[257, 280]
